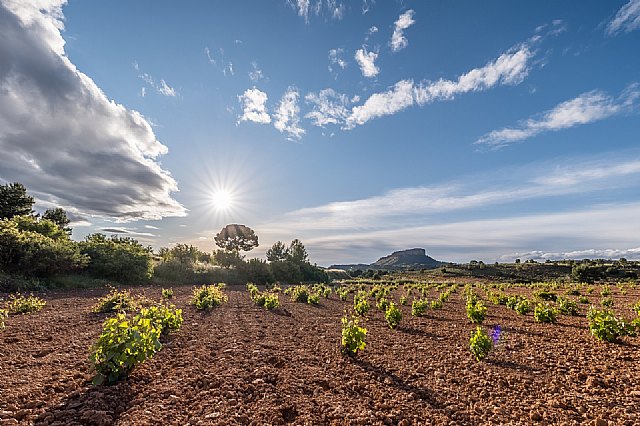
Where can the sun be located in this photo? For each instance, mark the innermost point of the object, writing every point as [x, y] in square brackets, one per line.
[222, 200]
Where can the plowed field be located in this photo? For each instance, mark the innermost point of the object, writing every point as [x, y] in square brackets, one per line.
[242, 365]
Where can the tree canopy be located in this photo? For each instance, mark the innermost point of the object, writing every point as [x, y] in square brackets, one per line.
[14, 201]
[277, 252]
[236, 238]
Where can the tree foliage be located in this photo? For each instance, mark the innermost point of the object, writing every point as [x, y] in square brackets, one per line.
[119, 258]
[14, 201]
[277, 252]
[236, 238]
[59, 217]
[33, 247]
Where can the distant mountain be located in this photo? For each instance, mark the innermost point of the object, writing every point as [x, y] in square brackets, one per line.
[405, 259]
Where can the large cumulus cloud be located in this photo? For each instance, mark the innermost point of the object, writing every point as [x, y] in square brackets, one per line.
[59, 133]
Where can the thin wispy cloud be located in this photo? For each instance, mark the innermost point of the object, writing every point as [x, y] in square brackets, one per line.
[418, 216]
[256, 74]
[587, 108]
[398, 40]
[305, 8]
[127, 231]
[329, 107]
[510, 68]
[401, 204]
[100, 158]
[254, 106]
[607, 253]
[287, 115]
[161, 87]
[335, 61]
[218, 60]
[371, 31]
[366, 6]
[626, 20]
[367, 62]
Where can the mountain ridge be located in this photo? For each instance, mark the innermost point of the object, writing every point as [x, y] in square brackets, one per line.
[415, 258]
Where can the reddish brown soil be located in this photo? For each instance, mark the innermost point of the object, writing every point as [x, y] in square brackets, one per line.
[240, 364]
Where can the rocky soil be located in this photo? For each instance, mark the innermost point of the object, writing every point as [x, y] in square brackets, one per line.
[243, 365]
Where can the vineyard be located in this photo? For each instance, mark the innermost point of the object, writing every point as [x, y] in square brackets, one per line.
[363, 352]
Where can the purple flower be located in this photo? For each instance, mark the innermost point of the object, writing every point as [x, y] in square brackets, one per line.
[495, 334]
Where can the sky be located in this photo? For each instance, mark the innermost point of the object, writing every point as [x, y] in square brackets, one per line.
[486, 130]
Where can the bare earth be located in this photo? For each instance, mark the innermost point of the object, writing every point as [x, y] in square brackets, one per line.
[240, 364]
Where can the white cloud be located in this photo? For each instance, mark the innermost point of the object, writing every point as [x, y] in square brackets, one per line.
[254, 106]
[366, 61]
[607, 253]
[393, 206]
[398, 40]
[508, 69]
[217, 59]
[329, 107]
[627, 19]
[287, 115]
[587, 108]
[256, 73]
[165, 89]
[366, 5]
[162, 88]
[419, 216]
[89, 154]
[336, 59]
[305, 9]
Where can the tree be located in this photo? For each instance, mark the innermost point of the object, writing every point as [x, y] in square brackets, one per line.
[297, 253]
[118, 258]
[37, 248]
[236, 238]
[14, 201]
[227, 259]
[277, 252]
[59, 217]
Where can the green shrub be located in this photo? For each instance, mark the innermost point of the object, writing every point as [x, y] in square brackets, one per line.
[271, 301]
[498, 298]
[419, 307]
[167, 293]
[636, 308]
[566, 306]
[382, 304]
[3, 315]
[168, 318]
[121, 259]
[393, 315]
[361, 304]
[584, 300]
[512, 301]
[342, 293]
[19, 304]
[523, 307]
[605, 326]
[545, 295]
[606, 291]
[544, 312]
[313, 299]
[477, 311]
[122, 345]
[40, 248]
[299, 293]
[403, 299]
[607, 302]
[208, 296]
[480, 344]
[114, 301]
[353, 336]
[436, 304]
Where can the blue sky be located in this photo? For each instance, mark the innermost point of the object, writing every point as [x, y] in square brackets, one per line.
[477, 130]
